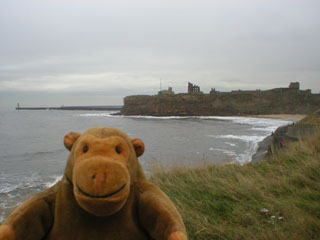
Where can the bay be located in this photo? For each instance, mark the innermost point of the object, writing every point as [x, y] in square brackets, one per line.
[32, 155]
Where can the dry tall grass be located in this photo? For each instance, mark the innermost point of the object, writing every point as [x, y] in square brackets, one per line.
[275, 199]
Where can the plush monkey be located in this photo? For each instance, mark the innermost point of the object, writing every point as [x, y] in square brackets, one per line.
[103, 194]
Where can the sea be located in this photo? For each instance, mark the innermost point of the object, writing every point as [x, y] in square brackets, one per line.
[33, 157]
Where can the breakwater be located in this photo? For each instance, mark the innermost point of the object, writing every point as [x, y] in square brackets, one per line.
[79, 108]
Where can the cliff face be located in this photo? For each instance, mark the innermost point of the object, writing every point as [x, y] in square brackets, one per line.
[277, 141]
[275, 101]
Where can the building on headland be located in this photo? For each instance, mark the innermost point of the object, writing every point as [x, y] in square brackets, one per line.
[166, 92]
[294, 85]
[213, 91]
[193, 89]
[308, 91]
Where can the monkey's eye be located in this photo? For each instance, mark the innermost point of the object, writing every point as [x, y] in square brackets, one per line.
[118, 149]
[85, 149]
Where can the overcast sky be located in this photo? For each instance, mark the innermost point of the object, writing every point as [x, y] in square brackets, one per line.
[95, 52]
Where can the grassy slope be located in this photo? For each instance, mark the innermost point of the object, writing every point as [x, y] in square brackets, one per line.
[225, 202]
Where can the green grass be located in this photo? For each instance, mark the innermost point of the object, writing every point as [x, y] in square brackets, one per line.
[225, 202]
[311, 120]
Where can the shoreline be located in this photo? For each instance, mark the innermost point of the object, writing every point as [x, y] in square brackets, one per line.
[281, 134]
[264, 145]
[292, 117]
[295, 117]
[262, 150]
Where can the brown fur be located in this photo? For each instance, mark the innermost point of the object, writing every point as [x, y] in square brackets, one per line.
[103, 195]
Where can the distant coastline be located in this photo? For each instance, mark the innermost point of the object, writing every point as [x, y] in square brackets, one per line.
[289, 100]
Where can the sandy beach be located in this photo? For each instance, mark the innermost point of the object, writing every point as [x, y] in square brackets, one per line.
[296, 117]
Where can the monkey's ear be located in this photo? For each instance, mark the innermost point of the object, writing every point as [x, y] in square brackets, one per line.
[138, 146]
[70, 139]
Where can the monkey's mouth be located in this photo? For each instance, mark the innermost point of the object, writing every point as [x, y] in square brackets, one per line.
[103, 196]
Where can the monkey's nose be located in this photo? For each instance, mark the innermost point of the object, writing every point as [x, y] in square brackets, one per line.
[98, 179]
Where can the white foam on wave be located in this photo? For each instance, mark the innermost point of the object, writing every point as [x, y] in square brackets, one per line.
[231, 144]
[128, 116]
[26, 182]
[263, 122]
[265, 125]
[245, 138]
[10, 203]
[23, 183]
[109, 114]
[244, 157]
[156, 117]
[227, 152]
[264, 129]
[260, 124]
[241, 120]
[56, 178]
[251, 142]
[6, 188]
[1, 219]
[13, 193]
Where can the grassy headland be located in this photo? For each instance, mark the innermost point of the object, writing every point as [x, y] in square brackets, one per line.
[274, 199]
[234, 103]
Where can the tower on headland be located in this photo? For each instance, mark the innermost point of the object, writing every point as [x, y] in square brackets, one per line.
[294, 85]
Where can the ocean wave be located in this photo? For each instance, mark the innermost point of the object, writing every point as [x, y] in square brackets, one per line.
[156, 117]
[108, 114]
[244, 158]
[14, 193]
[231, 144]
[56, 178]
[26, 182]
[9, 188]
[245, 138]
[252, 142]
[6, 188]
[264, 129]
[240, 120]
[269, 123]
[227, 152]
[20, 182]
[262, 122]
[129, 116]
[28, 154]
[9, 204]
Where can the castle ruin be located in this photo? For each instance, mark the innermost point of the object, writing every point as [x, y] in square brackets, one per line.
[193, 89]
[294, 85]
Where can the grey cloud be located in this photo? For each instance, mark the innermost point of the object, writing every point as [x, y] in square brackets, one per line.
[90, 45]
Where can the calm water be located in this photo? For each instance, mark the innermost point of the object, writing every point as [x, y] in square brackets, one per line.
[32, 155]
